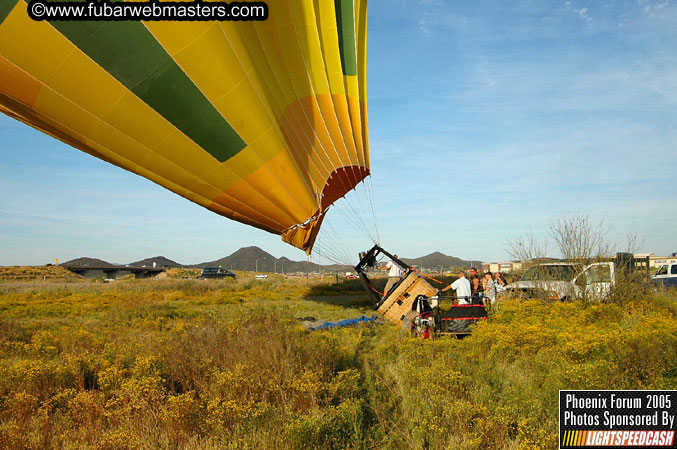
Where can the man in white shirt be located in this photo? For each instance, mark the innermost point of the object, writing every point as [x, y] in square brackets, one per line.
[462, 288]
[395, 272]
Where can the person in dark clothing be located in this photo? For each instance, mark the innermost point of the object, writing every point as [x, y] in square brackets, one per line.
[476, 286]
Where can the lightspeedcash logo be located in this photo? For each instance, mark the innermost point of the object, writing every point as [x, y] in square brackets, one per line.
[618, 439]
[617, 419]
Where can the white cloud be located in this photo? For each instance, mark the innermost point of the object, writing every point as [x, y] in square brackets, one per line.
[583, 14]
[424, 28]
[654, 8]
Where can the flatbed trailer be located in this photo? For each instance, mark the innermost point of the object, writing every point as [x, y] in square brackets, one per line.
[414, 303]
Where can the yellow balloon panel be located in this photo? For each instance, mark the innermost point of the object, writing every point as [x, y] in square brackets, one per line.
[263, 122]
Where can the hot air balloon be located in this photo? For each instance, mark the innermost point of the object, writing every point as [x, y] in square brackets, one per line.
[264, 122]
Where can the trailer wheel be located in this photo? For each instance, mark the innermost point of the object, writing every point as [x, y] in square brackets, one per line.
[458, 326]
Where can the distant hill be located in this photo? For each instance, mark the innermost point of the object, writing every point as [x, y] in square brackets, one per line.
[437, 260]
[87, 262]
[243, 259]
[160, 261]
[246, 259]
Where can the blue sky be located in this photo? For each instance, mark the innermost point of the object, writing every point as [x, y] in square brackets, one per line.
[485, 118]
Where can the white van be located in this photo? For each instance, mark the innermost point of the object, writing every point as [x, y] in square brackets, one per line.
[666, 275]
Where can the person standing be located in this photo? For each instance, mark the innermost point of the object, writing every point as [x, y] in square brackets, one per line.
[499, 282]
[476, 286]
[395, 272]
[489, 288]
[462, 288]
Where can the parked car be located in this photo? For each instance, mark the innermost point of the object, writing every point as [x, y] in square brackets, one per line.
[666, 275]
[561, 281]
[216, 272]
[552, 280]
[261, 277]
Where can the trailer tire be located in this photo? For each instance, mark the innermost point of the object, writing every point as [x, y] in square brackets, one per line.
[459, 326]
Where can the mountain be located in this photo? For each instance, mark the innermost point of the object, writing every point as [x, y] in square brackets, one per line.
[251, 258]
[304, 266]
[243, 259]
[87, 262]
[436, 261]
[160, 261]
[246, 259]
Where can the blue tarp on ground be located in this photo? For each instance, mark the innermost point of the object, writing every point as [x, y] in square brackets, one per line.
[344, 323]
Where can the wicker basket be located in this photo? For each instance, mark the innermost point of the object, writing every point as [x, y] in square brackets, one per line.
[400, 299]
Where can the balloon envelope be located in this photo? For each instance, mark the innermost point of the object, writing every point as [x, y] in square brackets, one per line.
[264, 122]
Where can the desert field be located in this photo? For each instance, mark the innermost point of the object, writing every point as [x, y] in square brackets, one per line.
[189, 364]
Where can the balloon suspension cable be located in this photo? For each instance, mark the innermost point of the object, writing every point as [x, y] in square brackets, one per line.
[355, 211]
[331, 247]
[370, 183]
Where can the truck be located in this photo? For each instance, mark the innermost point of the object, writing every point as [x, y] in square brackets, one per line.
[565, 281]
[551, 280]
[666, 276]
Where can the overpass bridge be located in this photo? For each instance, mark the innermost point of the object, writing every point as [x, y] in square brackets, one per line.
[114, 272]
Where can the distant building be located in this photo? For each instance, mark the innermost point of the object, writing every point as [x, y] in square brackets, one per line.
[657, 261]
[503, 267]
[654, 262]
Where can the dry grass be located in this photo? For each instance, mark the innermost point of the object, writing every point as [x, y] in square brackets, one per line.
[183, 363]
[37, 273]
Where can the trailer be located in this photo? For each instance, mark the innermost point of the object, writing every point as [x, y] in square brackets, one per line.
[415, 304]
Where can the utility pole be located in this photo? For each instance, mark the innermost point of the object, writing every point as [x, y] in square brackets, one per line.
[257, 264]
